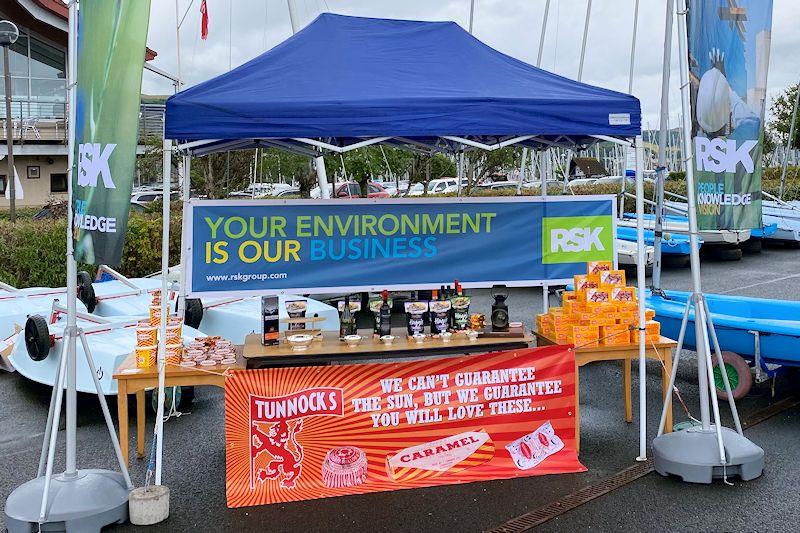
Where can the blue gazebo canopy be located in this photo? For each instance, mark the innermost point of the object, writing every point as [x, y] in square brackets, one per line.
[343, 79]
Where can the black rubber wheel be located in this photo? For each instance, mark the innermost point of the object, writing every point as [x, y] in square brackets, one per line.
[719, 253]
[739, 376]
[752, 246]
[194, 312]
[86, 291]
[37, 337]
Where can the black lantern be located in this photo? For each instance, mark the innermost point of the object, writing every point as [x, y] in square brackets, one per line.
[499, 308]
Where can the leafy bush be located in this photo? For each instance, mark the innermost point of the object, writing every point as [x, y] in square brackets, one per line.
[33, 252]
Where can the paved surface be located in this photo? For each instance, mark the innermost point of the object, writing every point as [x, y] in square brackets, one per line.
[194, 453]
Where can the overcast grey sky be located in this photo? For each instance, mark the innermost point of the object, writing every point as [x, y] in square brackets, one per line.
[242, 29]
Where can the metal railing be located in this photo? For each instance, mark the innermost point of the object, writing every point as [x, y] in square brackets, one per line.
[46, 121]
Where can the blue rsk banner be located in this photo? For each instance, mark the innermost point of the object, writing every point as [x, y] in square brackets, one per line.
[729, 42]
[249, 247]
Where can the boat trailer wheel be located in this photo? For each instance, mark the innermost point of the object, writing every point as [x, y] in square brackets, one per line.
[739, 376]
[37, 337]
[194, 312]
[86, 291]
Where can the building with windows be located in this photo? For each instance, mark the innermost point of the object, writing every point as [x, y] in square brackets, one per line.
[37, 63]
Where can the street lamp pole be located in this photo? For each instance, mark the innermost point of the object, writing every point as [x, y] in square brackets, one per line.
[8, 36]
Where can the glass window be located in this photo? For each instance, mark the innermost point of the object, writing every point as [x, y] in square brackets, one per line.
[48, 90]
[18, 56]
[354, 189]
[58, 182]
[47, 61]
[2, 184]
[19, 88]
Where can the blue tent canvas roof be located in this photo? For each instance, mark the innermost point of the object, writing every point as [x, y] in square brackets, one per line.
[345, 77]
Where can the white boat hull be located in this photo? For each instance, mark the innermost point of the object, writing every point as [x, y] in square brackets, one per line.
[229, 318]
[109, 350]
[237, 319]
[708, 236]
[627, 253]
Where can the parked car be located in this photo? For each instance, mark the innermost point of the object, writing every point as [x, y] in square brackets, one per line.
[442, 186]
[418, 189]
[351, 189]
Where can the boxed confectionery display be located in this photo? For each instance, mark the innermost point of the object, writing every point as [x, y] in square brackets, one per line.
[601, 310]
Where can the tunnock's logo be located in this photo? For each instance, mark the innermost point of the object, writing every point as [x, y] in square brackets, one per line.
[93, 163]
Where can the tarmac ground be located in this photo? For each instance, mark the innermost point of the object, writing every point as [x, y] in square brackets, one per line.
[194, 455]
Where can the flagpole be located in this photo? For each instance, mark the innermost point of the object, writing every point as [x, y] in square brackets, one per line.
[663, 132]
[543, 176]
[585, 35]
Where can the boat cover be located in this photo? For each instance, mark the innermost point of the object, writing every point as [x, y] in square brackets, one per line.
[344, 77]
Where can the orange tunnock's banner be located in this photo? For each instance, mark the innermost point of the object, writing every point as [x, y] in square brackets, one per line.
[313, 432]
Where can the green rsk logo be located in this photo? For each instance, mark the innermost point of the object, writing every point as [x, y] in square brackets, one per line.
[577, 239]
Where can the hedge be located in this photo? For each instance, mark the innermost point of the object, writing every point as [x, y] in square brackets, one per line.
[32, 252]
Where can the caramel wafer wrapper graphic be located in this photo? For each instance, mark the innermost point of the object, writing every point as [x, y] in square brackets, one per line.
[443, 456]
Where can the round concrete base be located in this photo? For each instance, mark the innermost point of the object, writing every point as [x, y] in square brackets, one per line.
[149, 506]
[84, 502]
[693, 455]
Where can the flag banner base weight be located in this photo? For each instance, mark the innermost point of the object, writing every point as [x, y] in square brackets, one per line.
[84, 502]
[692, 455]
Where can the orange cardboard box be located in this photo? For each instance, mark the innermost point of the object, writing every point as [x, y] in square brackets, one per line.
[614, 335]
[595, 267]
[612, 277]
[596, 297]
[568, 295]
[572, 306]
[623, 294]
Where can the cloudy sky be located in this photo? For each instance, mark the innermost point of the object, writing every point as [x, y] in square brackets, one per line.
[242, 29]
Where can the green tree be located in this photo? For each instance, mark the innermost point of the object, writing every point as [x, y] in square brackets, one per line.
[480, 164]
[778, 127]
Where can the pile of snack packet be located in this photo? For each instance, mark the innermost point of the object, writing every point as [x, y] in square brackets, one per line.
[600, 310]
[147, 336]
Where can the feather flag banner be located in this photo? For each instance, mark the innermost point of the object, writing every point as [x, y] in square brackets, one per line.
[203, 20]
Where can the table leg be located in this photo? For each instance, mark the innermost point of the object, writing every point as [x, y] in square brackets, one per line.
[122, 414]
[140, 420]
[577, 409]
[666, 372]
[626, 389]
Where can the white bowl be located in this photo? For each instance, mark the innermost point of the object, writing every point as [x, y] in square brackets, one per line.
[299, 342]
[419, 338]
[352, 340]
[472, 335]
[446, 336]
[387, 339]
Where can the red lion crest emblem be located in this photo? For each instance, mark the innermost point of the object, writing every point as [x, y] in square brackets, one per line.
[286, 463]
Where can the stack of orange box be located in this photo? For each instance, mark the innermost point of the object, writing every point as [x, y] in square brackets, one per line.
[652, 332]
[584, 336]
[616, 334]
[600, 310]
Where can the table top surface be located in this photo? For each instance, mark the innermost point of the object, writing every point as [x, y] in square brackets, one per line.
[128, 370]
[331, 345]
[663, 342]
